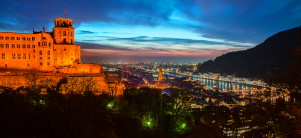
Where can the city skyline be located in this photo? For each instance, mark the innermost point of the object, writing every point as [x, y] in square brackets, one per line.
[130, 28]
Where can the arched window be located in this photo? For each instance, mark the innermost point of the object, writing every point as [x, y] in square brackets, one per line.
[48, 52]
[41, 52]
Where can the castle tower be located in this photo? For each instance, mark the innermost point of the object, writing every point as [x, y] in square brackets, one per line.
[66, 53]
[63, 32]
[160, 75]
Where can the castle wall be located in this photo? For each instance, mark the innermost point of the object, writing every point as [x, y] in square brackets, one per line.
[88, 68]
[80, 84]
[27, 79]
[66, 54]
[63, 35]
[26, 51]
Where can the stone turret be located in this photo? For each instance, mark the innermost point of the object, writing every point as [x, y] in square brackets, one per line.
[63, 32]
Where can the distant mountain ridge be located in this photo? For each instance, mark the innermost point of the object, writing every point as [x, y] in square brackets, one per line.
[278, 57]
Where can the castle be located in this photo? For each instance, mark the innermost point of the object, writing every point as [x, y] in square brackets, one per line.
[44, 51]
[51, 54]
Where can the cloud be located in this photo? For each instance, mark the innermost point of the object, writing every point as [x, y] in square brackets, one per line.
[242, 21]
[101, 46]
[248, 20]
[92, 49]
[179, 41]
[86, 32]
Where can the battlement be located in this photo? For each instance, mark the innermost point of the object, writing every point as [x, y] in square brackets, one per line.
[63, 22]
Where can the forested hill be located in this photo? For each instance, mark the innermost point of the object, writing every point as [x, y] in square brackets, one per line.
[278, 56]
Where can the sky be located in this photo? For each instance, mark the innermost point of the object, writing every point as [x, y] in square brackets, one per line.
[156, 30]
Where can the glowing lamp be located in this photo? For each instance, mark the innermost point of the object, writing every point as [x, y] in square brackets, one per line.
[148, 123]
[183, 125]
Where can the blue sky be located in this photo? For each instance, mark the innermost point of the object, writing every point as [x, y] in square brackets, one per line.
[157, 28]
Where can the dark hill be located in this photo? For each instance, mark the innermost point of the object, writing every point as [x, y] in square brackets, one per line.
[278, 57]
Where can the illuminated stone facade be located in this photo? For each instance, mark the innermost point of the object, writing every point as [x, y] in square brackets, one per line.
[160, 75]
[161, 83]
[41, 50]
[51, 55]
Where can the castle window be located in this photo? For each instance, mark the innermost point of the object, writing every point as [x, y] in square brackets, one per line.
[33, 46]
[3, 55]
[28, 39]
[49, 44]
[13, 46]
[48, 63]
[64, 33]
[1, 45]
[40, 52]
[23, 46]
[23, 38]
[34, 56]
[27, 64]
[48, 57]
[48, 52]
[70, 33]
[12, 38]
[41, 58]
[18, 38]
[28, 46]
[1, 37]
[71, 41]
[44, 43]
[7, 38]
[41, 63]
[64, 41]
[24, 55]
[28, 55]
[33, 38]
[39, 44]
[33, 51]
[19, 55]
[13, 56]
[18, 45]
[7, 46]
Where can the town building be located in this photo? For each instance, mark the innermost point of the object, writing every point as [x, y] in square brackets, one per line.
[161, 84]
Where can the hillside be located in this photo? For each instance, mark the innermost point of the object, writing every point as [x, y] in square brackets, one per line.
[278, 57]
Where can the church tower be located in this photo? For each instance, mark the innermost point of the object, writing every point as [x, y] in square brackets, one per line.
[160, 75]
[63, 32]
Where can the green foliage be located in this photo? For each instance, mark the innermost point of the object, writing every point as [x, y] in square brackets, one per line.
[53, 115]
